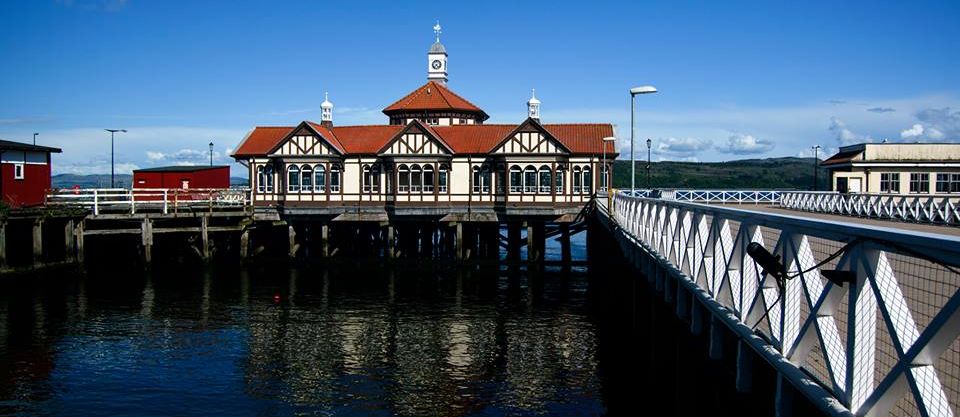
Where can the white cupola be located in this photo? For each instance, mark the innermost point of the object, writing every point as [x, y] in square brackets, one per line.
[533, 106]
[437, 59]
[326, 110]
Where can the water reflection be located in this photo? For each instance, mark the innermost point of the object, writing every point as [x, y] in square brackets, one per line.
[349, 340]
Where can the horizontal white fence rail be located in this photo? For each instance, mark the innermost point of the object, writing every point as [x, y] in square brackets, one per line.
[885, 343]
[164, 200]
[935, 209]
[711, 196]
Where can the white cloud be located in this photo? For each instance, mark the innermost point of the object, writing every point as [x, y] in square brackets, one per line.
[681, 147]
[914, 131]
[844, 135]
[741, 144]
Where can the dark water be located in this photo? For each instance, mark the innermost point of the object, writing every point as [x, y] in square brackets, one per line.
[351, 339]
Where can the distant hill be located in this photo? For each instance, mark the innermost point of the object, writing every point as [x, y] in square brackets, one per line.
[103, 181]
[769, 173]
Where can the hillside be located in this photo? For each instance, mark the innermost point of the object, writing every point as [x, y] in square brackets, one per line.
[103, 181]
[770, 173]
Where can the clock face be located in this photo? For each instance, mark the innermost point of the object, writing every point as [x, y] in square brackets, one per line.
[436, 64]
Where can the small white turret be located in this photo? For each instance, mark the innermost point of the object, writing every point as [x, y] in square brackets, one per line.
[326, 110]
[533, 106]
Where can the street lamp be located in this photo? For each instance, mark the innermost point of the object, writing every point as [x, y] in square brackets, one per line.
[35, 138]
[211, 153]
[816, 164]
[644, 89]
[649, 143]
[112, 131]
[606, 179]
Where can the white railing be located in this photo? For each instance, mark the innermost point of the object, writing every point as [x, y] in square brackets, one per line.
[163, 200]
[928, 209]
[711, 196]
[884, 343]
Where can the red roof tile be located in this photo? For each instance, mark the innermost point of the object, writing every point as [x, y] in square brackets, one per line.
[365, 139]
[433, 96]
[462, 139]
[261, 140]
[841, 157]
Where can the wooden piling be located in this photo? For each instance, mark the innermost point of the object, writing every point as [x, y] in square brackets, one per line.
[78, 236]
[244, 243]
[513, 241]
[69, 241]
[146, 235]
[205, 237]
[389, 249]
[38, 241]
[325, 240]
[531, 244]
[292, 241]
[458, 242]
[565, 243]
[3, 244]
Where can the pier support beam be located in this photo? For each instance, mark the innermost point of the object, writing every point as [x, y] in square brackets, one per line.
[744, 368]
[716, 338]
[69, 241]
[458, 241]
[292, 241]
[205, 238]
[244, 243]
[696, 316]
[79, 241]
[513, 241]
[146, 239]
[3, 244]
[389, 244]
[38, 241]
[565, 243]
[325, 240]
[783, 401]
[531, 244]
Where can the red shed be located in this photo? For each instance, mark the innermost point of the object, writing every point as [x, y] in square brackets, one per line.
[183, 177]
[24, 173]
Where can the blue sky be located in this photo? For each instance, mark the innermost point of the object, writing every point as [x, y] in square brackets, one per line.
[736, 79]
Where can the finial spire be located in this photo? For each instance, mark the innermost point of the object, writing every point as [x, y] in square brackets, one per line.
[533, 105]
[436, 30]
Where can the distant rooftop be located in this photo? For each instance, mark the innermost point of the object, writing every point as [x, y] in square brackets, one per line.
[181, 168]
[7, 145]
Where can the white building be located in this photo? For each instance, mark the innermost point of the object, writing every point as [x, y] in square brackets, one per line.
[896, 168]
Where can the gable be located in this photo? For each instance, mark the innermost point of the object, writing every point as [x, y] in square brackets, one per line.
[529, 142]
[416, 139]
[304, 142]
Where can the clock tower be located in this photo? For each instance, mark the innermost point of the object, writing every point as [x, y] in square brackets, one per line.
[437, 59]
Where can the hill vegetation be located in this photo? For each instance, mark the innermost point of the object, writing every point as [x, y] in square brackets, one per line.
[770, 173]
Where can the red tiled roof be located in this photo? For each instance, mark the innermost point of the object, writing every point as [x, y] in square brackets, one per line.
[462, 139]
[365, 139]
[473, 138]
[261, 140]
[433, 96]
[583, 137]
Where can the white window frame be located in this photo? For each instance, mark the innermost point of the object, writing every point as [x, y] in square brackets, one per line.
[18, 170]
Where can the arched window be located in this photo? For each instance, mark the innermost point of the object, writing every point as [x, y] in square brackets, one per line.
[268, 174]
[371, 179]
[516, 179]
[545, 176]
[306, 178]
[293, 179]
[319, 178]
[335, 171]
[416, 178]
[428, 178]
[558, 179]
[261, 180]
[403, 173]
[577, 180]
[530, 179]
[485, 179]
[442, 179]
[587, 180]
[476, 180]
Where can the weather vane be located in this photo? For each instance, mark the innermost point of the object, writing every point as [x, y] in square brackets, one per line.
[436, 30]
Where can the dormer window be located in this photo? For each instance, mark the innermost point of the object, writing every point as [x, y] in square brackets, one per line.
[18, 171]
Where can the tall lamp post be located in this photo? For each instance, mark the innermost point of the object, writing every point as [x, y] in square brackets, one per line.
[644, 89]
[606, 175]
[816, 165]
[35, 138]
[112, 131]
[211, 153]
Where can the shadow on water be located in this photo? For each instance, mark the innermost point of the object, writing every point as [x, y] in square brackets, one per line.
[355, 338]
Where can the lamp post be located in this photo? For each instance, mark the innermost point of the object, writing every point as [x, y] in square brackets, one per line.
[112, 131]
[649, 143]
[606, 176]
[35, 138]
[816, 164]
[644, 89]
[211, 153]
